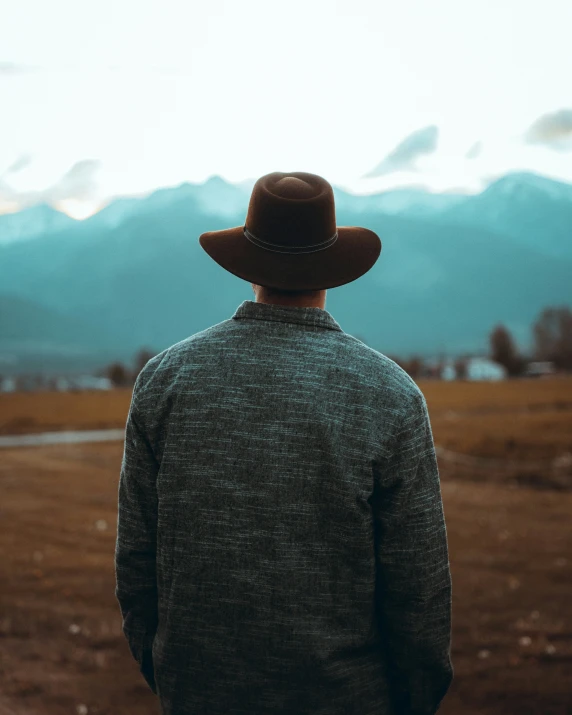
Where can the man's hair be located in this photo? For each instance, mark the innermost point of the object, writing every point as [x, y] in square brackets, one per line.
[288, 293]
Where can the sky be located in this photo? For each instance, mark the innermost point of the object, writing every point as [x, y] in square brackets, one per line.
[119, 97]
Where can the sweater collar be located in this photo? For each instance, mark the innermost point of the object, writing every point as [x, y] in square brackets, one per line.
[315, 317]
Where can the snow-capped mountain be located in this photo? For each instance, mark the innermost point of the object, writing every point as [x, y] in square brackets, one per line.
[535, 210]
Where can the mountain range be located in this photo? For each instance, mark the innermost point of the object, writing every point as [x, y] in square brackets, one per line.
[74, 294]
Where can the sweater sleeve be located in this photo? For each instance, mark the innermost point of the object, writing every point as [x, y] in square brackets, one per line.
[413, 574]
[135, 550]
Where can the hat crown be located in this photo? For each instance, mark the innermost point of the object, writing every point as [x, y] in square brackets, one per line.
[290, 187]
[294, 210]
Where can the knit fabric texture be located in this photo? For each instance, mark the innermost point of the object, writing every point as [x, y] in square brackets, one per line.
[281, 542]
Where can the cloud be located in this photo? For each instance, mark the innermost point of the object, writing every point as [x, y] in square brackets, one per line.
[9, 69]
[553, 129]
[78, 183]
[474, 151]
[21, 162]
[422, 141]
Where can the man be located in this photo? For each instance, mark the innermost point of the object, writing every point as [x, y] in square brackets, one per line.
[281, 542]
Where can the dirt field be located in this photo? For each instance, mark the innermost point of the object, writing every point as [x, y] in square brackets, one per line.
[29, 412]
[61, 646]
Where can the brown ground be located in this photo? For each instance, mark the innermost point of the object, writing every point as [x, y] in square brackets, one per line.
[61, 645]
[31, 412]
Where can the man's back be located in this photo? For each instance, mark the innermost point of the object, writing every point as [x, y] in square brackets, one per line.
[301, 552]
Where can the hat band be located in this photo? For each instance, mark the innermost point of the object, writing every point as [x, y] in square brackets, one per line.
[312, 248]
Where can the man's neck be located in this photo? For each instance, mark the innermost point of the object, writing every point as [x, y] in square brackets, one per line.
[317, 299]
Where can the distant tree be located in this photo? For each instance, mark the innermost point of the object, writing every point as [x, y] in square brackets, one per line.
[21, 383]
[504, 352]
[429, 370]
[553, 337]
[414, 367]
[118, 374]
[461, 368]
[397, 359]
[141, 359]
[435, 371]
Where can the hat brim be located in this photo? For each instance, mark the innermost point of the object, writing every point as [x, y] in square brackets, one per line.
[353, 253]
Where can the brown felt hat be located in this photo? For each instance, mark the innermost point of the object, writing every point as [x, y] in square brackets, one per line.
[290, 240]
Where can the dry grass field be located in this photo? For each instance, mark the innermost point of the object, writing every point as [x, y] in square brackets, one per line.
[510, 542]
[527, 418]
[520, 419]
[30, 412]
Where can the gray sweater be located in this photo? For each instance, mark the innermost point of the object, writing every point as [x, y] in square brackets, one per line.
[281, 543]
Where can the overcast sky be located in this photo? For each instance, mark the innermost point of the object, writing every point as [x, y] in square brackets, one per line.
[113, 97]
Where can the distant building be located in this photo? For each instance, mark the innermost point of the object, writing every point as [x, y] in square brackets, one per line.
[448, 372]
[90, 382]
[33, 383]
[82, 382]
[483, 368]
[478, 368]
[7, 384]
[539, 369]
[61, 384]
